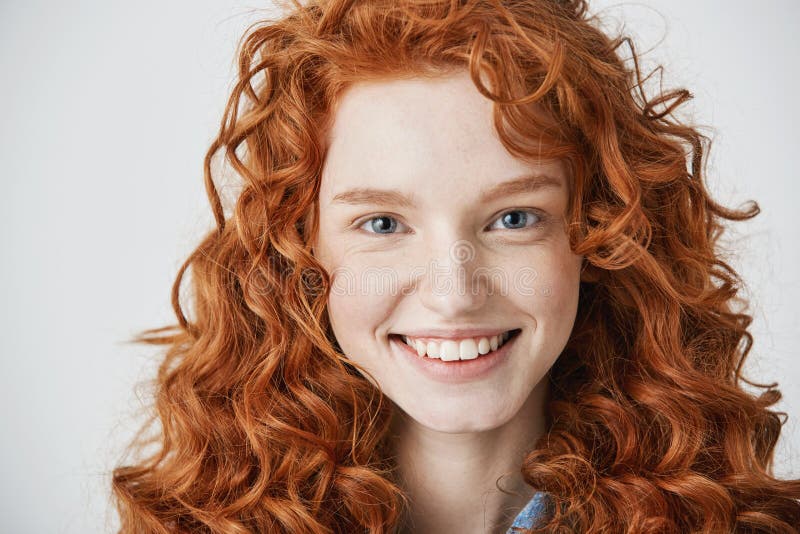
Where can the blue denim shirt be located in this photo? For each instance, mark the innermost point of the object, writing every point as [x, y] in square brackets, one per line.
[536, 509]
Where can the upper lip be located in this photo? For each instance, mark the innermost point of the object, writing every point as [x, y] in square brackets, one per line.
[455, 333]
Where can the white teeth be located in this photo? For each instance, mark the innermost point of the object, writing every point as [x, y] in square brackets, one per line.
[448, 350]
[433, 350]
[468, 349]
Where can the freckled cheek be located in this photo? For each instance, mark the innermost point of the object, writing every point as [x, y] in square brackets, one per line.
[547, 285]
[358, 305]
[565, 276]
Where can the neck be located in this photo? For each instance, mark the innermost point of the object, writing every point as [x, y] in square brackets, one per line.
[452, 479]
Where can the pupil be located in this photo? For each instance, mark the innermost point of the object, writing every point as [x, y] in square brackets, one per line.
[515, 218]
[384, 224]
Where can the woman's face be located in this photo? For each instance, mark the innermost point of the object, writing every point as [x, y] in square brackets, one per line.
[431, 229]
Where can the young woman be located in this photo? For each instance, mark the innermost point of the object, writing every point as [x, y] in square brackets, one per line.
[470, 284]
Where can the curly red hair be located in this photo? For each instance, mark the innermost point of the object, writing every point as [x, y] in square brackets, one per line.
[265, 426]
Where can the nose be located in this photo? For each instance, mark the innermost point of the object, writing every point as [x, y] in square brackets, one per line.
[453, 285]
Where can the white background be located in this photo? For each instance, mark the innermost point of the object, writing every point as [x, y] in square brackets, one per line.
[107, 110]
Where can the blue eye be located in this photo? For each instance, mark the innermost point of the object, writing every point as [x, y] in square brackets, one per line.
[518, 219]
[382, 224]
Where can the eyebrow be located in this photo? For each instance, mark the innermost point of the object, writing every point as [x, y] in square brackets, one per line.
[394, 197]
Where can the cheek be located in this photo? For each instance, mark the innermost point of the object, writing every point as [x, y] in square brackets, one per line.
[544, 272]
[358, 305]
[551, 289]
[560, 306]
[562, 281]
[346, 311]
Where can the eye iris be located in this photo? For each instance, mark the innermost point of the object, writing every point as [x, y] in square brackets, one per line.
[515, 219]
[386, 223]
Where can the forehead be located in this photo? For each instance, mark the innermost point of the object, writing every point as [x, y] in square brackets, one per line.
[418, 132]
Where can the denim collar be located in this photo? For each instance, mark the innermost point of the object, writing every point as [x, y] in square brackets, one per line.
[536, 509]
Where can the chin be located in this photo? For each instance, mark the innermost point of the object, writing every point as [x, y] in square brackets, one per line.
[458, 417]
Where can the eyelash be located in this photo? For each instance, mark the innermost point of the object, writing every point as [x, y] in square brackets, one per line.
[539, 216]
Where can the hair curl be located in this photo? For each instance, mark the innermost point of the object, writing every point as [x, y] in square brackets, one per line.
[264, 426]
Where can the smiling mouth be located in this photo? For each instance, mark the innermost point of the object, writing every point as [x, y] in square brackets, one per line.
[456, 350]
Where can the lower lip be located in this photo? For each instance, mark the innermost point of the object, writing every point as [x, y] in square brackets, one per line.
[457, 371]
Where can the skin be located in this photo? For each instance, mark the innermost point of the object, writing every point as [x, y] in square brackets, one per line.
[433, 140]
